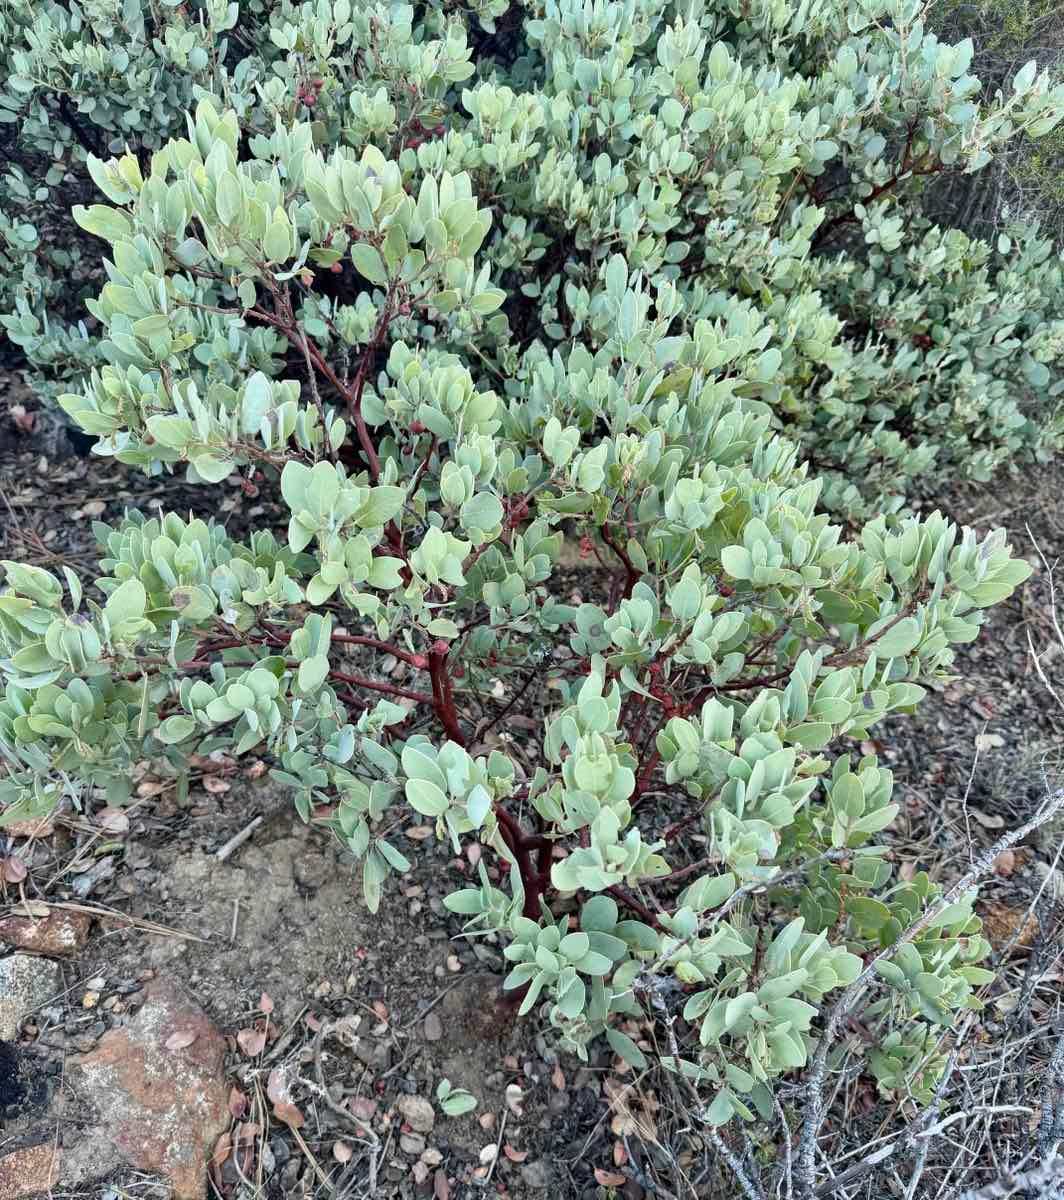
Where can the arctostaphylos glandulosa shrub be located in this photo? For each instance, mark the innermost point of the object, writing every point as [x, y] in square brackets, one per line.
[767, 158]
[376, 648]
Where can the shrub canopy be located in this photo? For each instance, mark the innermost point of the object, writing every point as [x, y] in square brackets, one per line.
[768, 159]
[460, 322]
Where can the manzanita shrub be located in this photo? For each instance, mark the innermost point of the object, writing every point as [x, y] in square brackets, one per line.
[698, 718]
[766, 159]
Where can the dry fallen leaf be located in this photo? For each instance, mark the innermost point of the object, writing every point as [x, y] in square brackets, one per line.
[289, 1114]
[341, 1151]
[266, 1003]
[113, 820]
[12, 869]
[238, 1103]
[222, 1149]
[989, 741]
[488, 1153]
[609, 1178]
[557, 1077]
[517, 1156]
[1005, 863]
[987, 820]
[514, 1098]
[180, 1039]
[216, 785]
[23, 420]
[251, 1041]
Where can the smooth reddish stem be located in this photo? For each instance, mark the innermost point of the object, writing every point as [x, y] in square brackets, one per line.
[632, 575]
[351, 639]
[645, 773]
[351, 393]
[677, 827]
[442, 695]
[373, 686]
[637, 906]
[521, 846]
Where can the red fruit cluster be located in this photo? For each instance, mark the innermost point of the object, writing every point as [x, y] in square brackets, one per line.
[422, 133]
[308, 91]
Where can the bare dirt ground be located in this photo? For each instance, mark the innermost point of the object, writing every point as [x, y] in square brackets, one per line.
[339, 1026]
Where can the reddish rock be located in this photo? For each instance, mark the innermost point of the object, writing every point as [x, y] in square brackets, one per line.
[40, 827]
[163, 1106]
[27, 1172]
[58, 934]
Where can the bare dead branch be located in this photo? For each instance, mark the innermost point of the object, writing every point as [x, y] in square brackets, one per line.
[816, 1105]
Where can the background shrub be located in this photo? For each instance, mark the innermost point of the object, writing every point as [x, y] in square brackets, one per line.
[772, 165]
